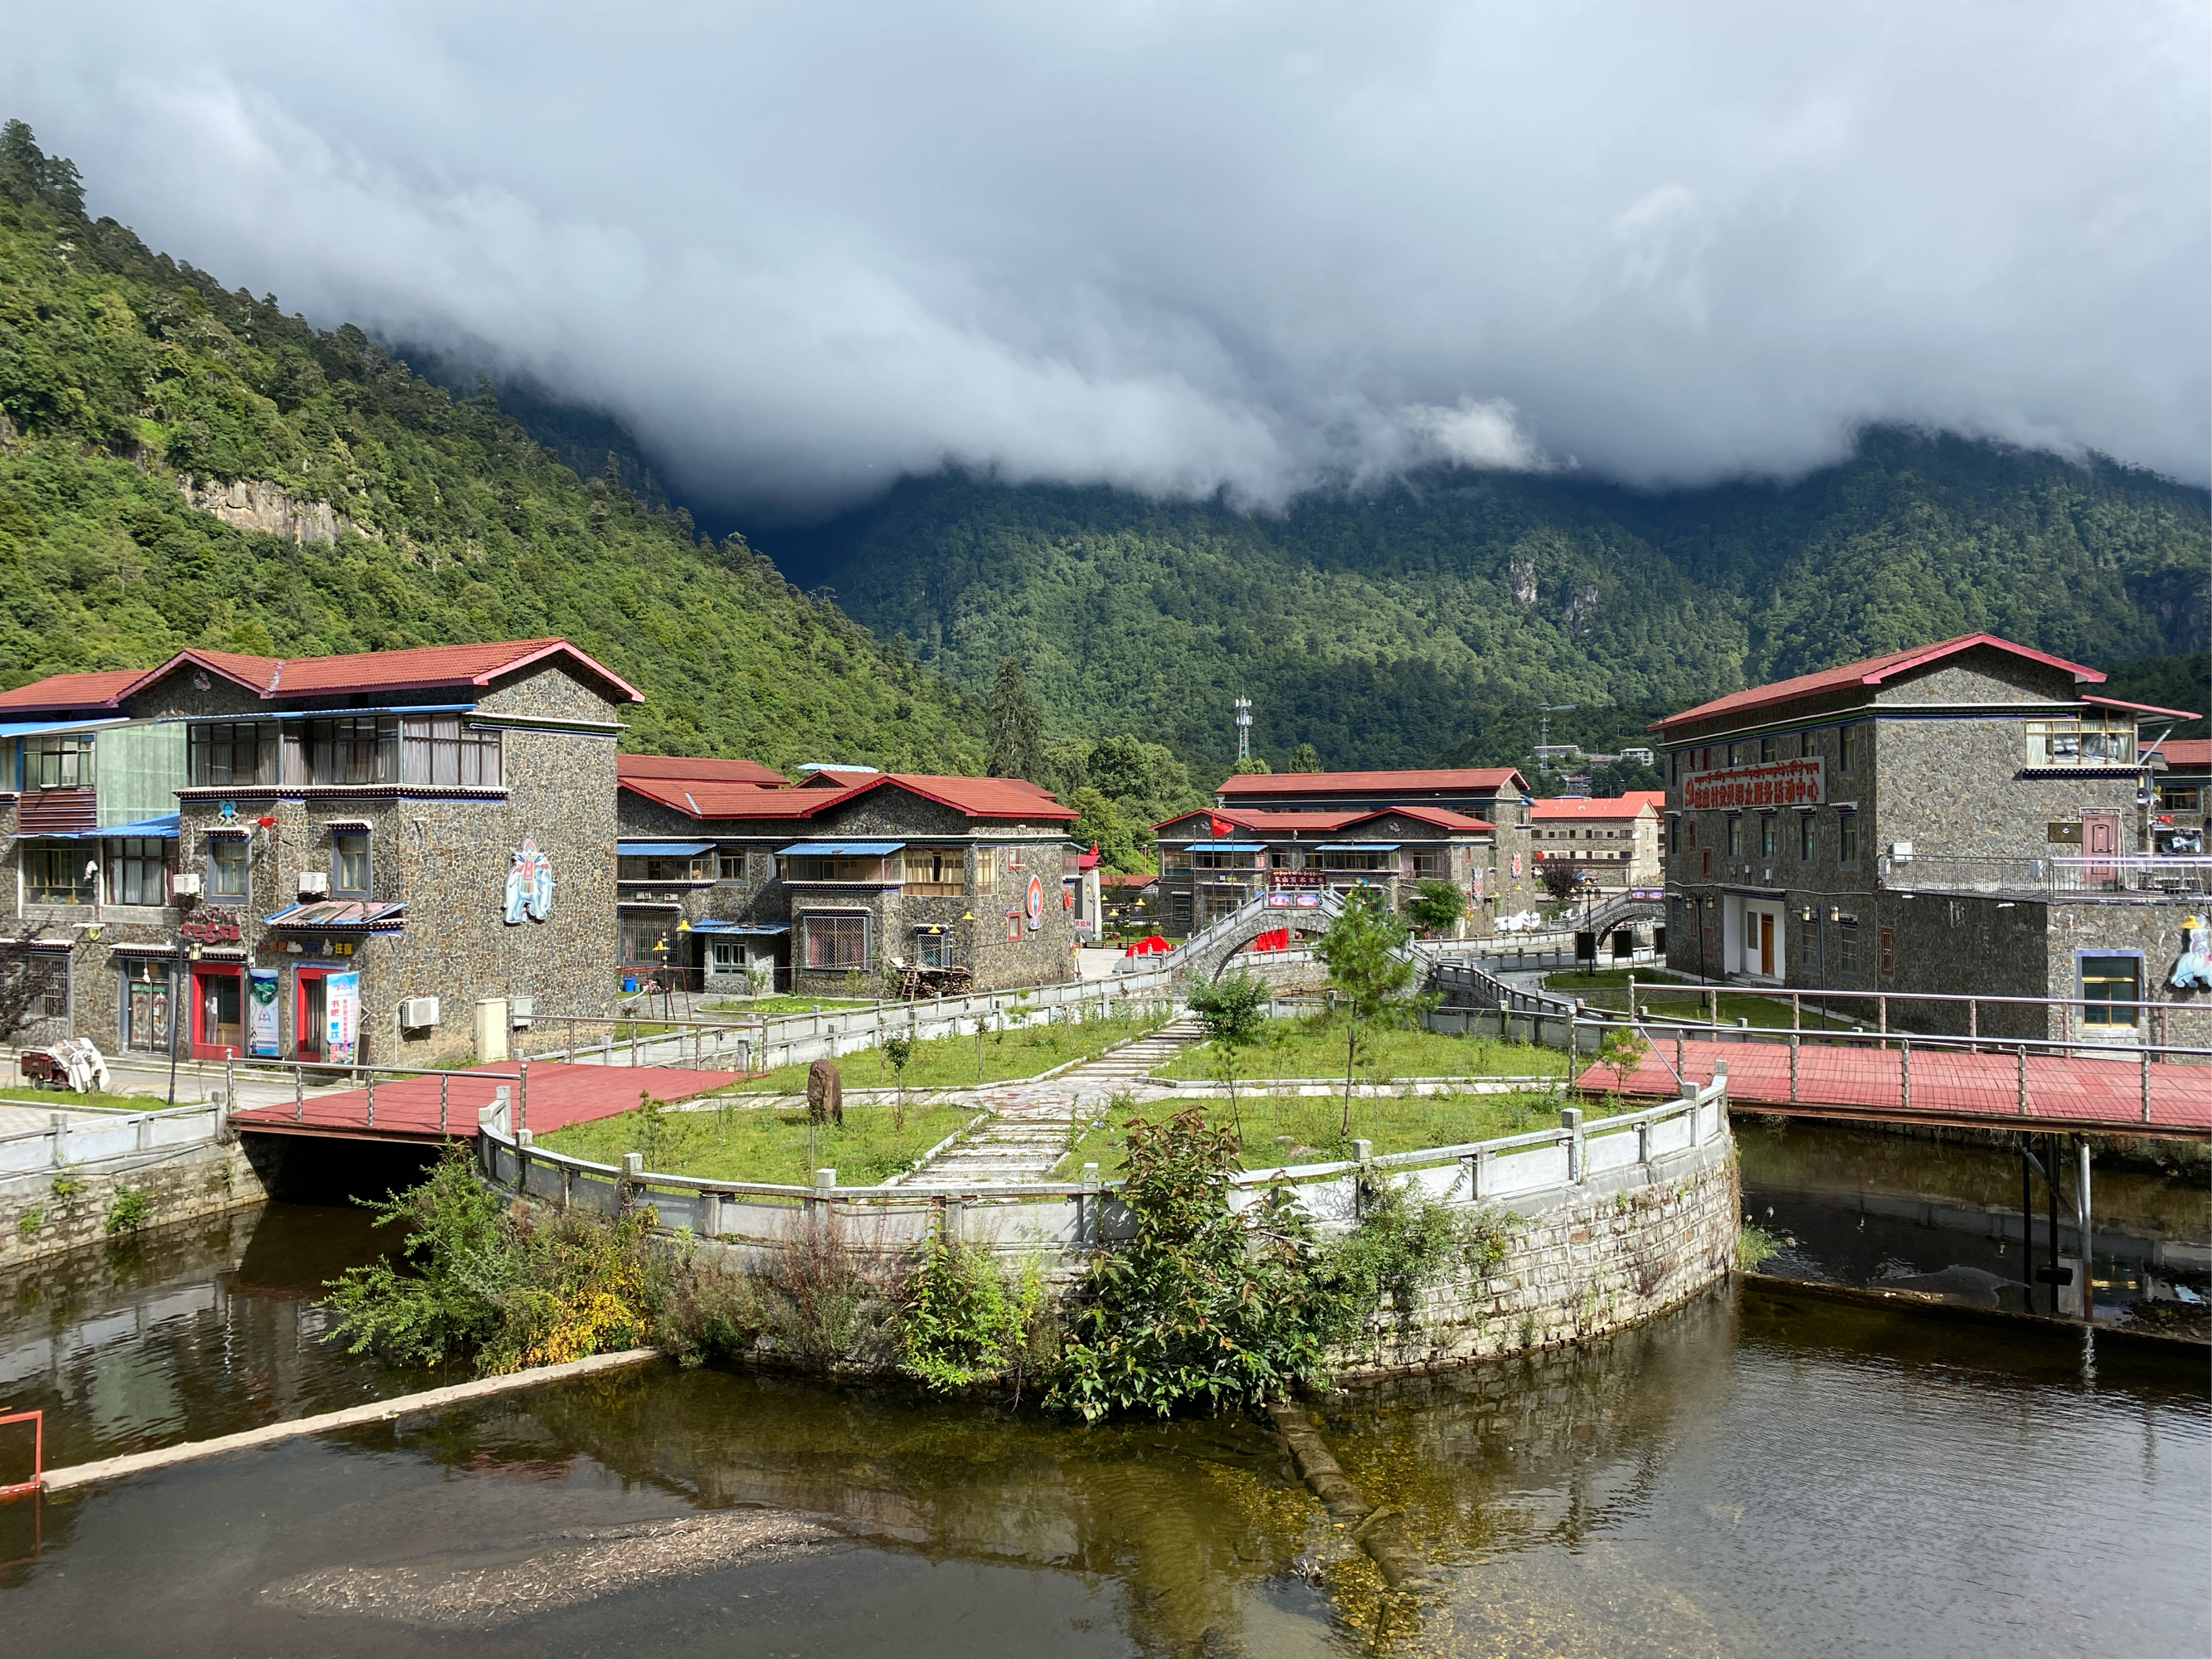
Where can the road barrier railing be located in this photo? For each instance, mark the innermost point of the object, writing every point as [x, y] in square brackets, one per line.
[83, 1136]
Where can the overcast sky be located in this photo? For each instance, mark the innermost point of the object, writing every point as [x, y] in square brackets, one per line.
[804, 248]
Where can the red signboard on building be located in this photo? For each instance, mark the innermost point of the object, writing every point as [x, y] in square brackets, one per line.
[1770, 783]
[208, 930]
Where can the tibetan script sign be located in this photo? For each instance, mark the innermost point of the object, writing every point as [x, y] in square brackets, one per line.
[1771, 783]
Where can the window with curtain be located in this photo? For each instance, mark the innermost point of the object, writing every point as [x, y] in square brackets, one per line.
[839, 941]
[2109, 985]
[1847, 838]
[227, 867]
[54, 872]
[57, 763]
[349, 862]
[229, 752]
[138, 870]
[441, 750]
[353, 749]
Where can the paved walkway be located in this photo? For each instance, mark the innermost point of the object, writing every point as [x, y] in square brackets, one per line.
[1944, 1085]
[1033, 1124]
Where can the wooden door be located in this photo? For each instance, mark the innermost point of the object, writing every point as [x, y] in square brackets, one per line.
[1766, 942]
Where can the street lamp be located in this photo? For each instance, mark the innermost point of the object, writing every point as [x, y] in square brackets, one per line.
[179, 1001]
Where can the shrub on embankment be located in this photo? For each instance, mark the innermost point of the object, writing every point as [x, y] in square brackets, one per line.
[1206, 1307]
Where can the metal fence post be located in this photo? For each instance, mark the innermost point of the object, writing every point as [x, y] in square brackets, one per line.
[1793, 1066]
[2145, 1088]
[522, 1095]
[2023, 1079]
[299, 1097]
[371, 1100]
[445, 1080]
[1904, 1071]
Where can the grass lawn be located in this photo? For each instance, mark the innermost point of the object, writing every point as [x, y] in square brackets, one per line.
[1305, 1129]
[1609, 990]
[60, 1100]
[775, 1007]
[958, 1062]
[757, 1143]
[1313, 1046]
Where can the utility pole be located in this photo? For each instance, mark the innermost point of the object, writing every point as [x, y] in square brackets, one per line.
[1244, 728]
[1544, 712]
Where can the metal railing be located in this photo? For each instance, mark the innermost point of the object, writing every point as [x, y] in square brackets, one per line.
[2089, 873]
[1074, 1216]
[91, 1138]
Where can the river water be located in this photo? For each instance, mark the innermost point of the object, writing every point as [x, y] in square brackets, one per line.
[1762, 1473]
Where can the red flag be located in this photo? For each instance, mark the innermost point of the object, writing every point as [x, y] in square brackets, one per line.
[1219, 826]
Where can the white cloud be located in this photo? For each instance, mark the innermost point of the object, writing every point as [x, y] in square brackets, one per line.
[1182, 247]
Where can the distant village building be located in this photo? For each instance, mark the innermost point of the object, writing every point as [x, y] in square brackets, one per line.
[1611, 843]
[1387, 831]
[1969, 817]
[729, 879]
[2183, 772]
[324, 859]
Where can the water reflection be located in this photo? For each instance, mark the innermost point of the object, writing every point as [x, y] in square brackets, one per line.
[1758, 1474]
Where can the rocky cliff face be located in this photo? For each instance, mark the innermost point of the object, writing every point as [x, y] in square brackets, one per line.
[256, 504]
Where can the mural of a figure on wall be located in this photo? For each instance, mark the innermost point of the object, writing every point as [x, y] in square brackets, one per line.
[529, 885]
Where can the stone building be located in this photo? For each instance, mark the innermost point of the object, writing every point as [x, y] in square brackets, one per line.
[731, 880]
[1968, 818]
[1213, 859]
[1613, 843]
[321, 859]
[2183, 776]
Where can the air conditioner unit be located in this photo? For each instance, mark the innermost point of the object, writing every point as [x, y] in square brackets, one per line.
[1901, 851]
[418, 1013]
[314, 884]
[521, 1011]
[185, 886]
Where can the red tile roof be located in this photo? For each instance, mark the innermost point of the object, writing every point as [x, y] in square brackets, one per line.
[976, 798]
[98, 690]
[414, 669]
[2193, 753]
[1263, 785]
[2145, 708]
[1321, 823]
[1632, 804]
[1116, 878]
[1873, 671]
[697, 769]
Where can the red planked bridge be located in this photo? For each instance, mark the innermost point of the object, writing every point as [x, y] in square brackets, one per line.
[545, 1096]
[1932, 1081]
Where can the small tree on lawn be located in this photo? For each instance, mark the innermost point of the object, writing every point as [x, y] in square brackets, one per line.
[898, 1050]
[1361, 948]
[1621, 1053]
[1435, 905]
[1234, 1011]
[1560, 878]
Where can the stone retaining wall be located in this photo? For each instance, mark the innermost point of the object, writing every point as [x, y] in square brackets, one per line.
[1611, 1256]
[52, 1211]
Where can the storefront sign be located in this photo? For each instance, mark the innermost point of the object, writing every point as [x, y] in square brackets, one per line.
[261, 1012]
[340, 1017]
[529, 885]
[208, 930]
[1771, 783]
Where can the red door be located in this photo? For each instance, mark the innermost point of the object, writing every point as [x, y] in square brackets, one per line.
[310, 1014]
[218, 1012]
[2100, 833]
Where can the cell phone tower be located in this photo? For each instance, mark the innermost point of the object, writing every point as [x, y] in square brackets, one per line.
[1244, 728]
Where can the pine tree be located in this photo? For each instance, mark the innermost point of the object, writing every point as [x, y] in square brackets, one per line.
[1014, 725]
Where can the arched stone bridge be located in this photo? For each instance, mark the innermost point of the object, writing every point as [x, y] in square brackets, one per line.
[1205, 954]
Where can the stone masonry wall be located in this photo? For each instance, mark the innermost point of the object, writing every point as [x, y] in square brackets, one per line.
[56, 1211]
[1611, 1256]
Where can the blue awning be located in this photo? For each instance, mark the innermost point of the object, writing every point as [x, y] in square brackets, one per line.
[839, 850]
[1359, 846]
[163, 828]
[48, 728]
[662, 849]
[740, 928]
[1228, 846]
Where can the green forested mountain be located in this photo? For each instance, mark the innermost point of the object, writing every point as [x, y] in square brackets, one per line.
[1426, 622]
[125, 376]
